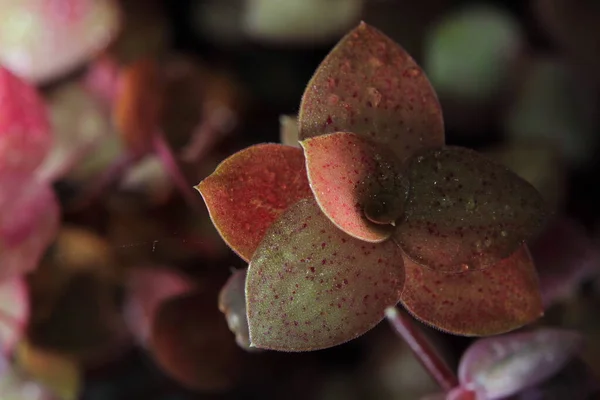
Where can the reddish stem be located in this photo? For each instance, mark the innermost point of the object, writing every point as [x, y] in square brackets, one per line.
[164, 153]
[439, 370]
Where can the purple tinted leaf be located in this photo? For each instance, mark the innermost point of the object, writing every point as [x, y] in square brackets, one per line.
[504, 365]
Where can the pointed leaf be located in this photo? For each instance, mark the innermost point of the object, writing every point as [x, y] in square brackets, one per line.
[14, 312]
[505, 365]
[42, 40]
[311, 286]
[357, 183]
[25, 134]
[369, 85]
[475, 303]
[250, 189]
[466, 212]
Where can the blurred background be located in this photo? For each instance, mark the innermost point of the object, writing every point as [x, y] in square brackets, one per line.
[518, 80]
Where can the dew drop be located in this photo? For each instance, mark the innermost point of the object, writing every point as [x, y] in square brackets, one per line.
[503, 233]
[333, 99]
[470, 204]
[374, 96]
[413, 72]
[465, 267]
[487, 242]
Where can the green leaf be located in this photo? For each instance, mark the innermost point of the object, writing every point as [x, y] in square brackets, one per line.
[311, 286]
[475, 303]
[465, 212]
[250, 189]
[369, 85]
[357, 183]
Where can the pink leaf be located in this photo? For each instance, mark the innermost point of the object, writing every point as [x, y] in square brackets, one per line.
[148, 288]
[42, 40]
[14, 312]
[250, 189]
[358, 184]
[311, 286]
[25, 136]
[29, 220]
[369, 85]
[464, 212]
[475, 303]
[504, 365]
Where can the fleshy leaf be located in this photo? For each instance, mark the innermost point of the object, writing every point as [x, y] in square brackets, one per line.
[475, 303]
[464, 212]
[249, 190]
[42, 40]
[504, 365]
[191, 342]
[138, 107]
[369, 85]
[311, 286]
[29, 220]
[357, 183]
[148, 288]
[14, 312]
[25, 134]
[232, 303]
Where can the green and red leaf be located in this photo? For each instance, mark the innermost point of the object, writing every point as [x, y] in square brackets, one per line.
[311, 286]
[475, 303]
[464, 212]
[357, 183]
[249, 190]
[371, 86]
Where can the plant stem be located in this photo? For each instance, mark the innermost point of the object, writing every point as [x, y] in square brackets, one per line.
[439, 370]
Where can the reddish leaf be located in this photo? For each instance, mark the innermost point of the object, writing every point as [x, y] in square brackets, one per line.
[357, 183]
[476, 303]
[232, 303]
[311, 286]
[25, 136]
[192, 343]
[505, 365]
[370, 86]
[29, 219]
[148, 288]
[42, 40]
[14, 312]
[138, 107]
[250, 189]
[465, 212]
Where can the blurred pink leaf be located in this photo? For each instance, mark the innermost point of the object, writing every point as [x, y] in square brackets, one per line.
[14, 312]
[371, 86]
[505, 365]
[25, 134]
[358, 184]
[311, 286]
[465, 212]
[42, 40]
[147, 288]
[29, 221]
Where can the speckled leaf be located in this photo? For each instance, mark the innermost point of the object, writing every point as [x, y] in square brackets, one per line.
[138, 107]
[250, 189]
[466, 212]
[505, 365]
[14, 312]
[311, 286]
[369, 85]
[25, 134]
[357, 183]
[475, 303]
